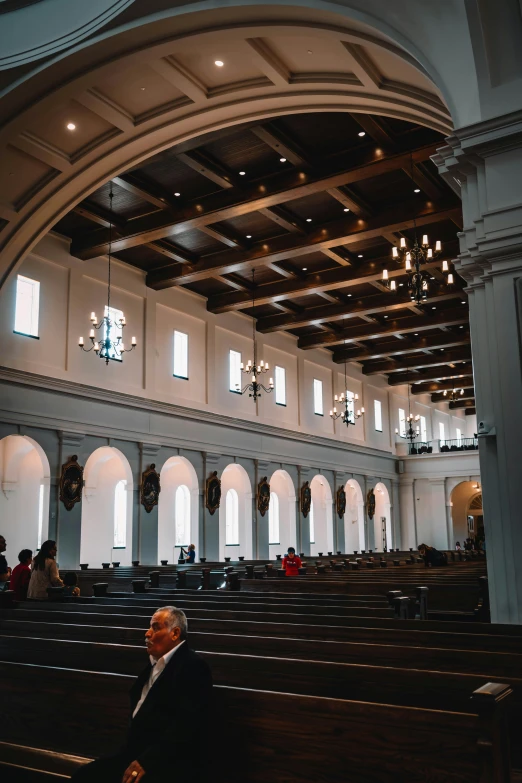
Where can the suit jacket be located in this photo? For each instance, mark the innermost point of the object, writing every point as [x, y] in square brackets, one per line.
[168, 734]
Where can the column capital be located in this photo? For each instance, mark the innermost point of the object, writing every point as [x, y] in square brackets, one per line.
[71, 439]
[149, 449]
[211, 458]
[262, 465]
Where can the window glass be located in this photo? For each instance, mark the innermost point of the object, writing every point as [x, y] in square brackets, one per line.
[120, 514]
[182, 515]
[180, 354]
[312, 523]
[350, 396]
[27, 306]
[273, 519]
[234, 371]
[402, 422]
[318, 397]
[377, 408]
[114, 331]
[423, 430]
[232, 518]
[280, 386]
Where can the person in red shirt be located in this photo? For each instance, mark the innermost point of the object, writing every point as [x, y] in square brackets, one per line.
[291, 562]
[21, 575]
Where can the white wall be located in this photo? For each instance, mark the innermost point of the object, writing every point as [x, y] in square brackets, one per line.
[354, 517]
[322, 515]
[282, 485]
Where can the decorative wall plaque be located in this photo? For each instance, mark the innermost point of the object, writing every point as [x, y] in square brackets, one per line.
[263, 496]
[213, 492]
[340, 502]
[71, 483]
[150, 488]
[306, 499]
[370, 503]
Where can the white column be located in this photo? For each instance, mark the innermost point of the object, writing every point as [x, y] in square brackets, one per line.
[407, 502]
[439, 530]
[485, 162]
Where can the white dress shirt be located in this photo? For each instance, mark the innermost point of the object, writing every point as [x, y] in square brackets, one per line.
[158, 667]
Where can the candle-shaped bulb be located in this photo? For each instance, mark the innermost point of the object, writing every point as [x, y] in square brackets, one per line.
[384, 274]
[438, 246]
[403, 242]
[133, 341]
[445, 266]
[425, 239]
[395, 252]
[80, 341]
[430, 253]
[266, 366]
[392, 286]
[241, 365]
[271, 383]
[335, 397]
[408, 262]
[396, 431]
[122, 320]
[93, 317]
[445, 393]
[450, 278]
[362, 410]
[262, 363]
[122, 347]
[253, 378]
[331, 413]
[335, 409]
[91, 333]
[356, 397]
[97, 347]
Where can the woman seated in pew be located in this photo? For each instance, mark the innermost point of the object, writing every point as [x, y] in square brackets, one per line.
[291, 562]
[432, 557]
[190, 553]
[21, 575]
[70, 581]
[45, 572]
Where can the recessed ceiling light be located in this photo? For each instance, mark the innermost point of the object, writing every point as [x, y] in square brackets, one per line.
[386, 316]
[71, 126]
[417, 190]
[416, 334]
[360, 255]
[177, 194]
[282, 160]
[462, 327]
[249, 236]
[362, 133]
[310, 51]
[242, 173]
[463, 301]
[400, 284]
[219, 63]
[142, 89]
[433, 308]
[349, 295]
[305, 269]
[308, 220]
[346, 209]
[432, 278]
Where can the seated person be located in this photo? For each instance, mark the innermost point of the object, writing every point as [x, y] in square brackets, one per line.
[458, 547]
[70, 581]
[5, 571]
[191, 554]
[432, 556]
[167, 717]
[291, 562]
[21, 575]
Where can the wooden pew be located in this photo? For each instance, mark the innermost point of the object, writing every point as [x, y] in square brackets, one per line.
[312, 739]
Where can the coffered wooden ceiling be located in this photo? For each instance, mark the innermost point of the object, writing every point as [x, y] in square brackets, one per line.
[301, 210]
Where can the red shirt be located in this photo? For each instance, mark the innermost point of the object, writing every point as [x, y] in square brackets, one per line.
[19, 581]
[292, 566]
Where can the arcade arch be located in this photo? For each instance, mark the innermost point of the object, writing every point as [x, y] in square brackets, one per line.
[235, 513]
[321, 516]
[24, 496]
[281, 513]
[106, 529]
[178, 508]
[354, 517]
[466, 511]
[382, 519]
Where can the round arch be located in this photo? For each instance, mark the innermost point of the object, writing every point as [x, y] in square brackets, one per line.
[282, 487]
[321, 516]
[354, 517]
[106, 527]
[235, 511]
[467, 521]
[176, 473]
[382, 519]
[24, 496]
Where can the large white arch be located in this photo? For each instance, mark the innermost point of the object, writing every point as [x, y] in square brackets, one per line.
[104, 470]
[354, 537]
[322, 515]
[24, 495]
[461, 497]
[382, 529]
[176, 472]
[235, 477]
[282, 486]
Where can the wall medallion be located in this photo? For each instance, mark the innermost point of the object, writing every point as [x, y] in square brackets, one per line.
[71, 483]
[150, 488]
[340, 502]
[213, 493]
[370, 503]
[306, 499]
[263, 496]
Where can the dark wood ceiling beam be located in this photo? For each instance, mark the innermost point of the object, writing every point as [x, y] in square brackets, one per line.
[351, 201]
[342, 232]
[208, 168]
[461, 404]
[438, 386]
[469, 394]
[404, 325]
[337, 255]
[470, 411]
[147, 190]
[173, 252]
[438, 373]
[99, 215]
[285, 219]
[417, 361]
[423, 182]
[375, 130]
[234, 281]
[281, 144]
[225, 237]
[394, 348]
[231, 203]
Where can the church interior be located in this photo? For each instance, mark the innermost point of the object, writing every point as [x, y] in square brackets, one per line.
[260, 361]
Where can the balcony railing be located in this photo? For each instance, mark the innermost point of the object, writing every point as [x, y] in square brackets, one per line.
[443, 446]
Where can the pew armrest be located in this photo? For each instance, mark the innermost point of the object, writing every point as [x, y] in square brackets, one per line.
[492, 702]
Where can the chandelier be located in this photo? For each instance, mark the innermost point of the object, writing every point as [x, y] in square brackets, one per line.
[414, 258]
[110, 344]
[411, 433]
[347, 414]
[255, 370]
[453, 395]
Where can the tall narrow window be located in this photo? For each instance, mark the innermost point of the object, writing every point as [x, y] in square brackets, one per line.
[442, 431]
[350, 396]
[234, 361]
[120, 515]
[182, 515]
[280, 385]
[114, 331]
[318, 397]
[312, 523]
[27, 306]
[402, 422]
[377, 409]
[273, 519]
[423, 430]
[180, 355]
[458, 433]
[40, 515]
[232, 518]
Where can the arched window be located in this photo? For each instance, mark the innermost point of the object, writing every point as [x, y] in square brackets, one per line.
[182, 515]
[312, 527]
[232, 518]
[273, 519]
[120, 515]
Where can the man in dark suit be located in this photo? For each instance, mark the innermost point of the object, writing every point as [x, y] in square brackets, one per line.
[169, 706]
